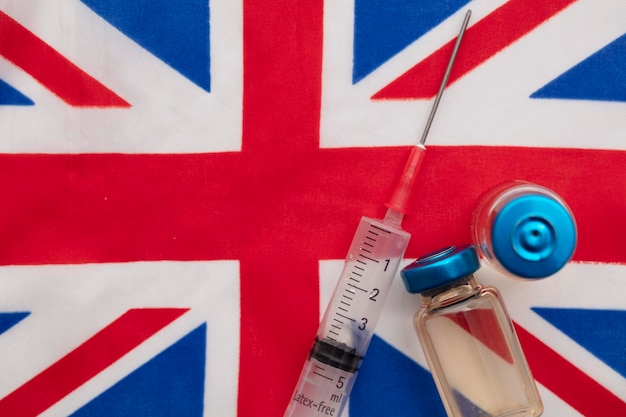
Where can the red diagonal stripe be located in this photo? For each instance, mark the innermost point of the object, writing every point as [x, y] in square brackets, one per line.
[86, 361]
[568, 382]
[483, 40]
[51, 69]
[483, 325]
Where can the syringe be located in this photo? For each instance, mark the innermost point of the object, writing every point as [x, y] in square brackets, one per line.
[372, 262]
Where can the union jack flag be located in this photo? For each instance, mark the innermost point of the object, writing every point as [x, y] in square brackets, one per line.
[181, 181]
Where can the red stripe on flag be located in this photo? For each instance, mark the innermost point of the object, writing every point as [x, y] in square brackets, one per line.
[483, 324]
[483, 40]
[86, 361]
[51, 69]
[568, 382]
[59, 209]
[279, 270]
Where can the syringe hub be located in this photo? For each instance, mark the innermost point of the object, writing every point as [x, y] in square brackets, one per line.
[400, 198]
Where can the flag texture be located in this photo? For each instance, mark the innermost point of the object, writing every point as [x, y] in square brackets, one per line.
[181, 182]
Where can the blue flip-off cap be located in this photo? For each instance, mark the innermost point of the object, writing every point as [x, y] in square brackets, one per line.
[533, 236]
[440, 268]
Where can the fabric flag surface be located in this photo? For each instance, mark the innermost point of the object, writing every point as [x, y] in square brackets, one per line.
[181, 182]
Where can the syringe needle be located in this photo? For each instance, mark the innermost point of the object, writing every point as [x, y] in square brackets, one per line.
[348, 323]
[400, 197]
[446, 75]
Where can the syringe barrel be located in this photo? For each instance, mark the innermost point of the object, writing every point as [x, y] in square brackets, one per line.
[369, 269]
[348, 324]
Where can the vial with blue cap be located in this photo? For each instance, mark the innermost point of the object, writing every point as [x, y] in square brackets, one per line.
[524, 230]
[468, 338]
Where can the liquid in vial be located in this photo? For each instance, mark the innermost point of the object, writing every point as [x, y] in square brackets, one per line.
[468, 339]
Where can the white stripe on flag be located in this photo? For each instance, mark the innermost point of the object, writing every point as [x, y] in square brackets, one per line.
[488, 106]
[168, 113]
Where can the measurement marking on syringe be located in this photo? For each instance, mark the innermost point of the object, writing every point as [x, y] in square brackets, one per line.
[322, 375]
[319, 369]
[338, 321]
[346, 304]
[368, 244]
[342, 309]
[355, 287]
[365, 250]
[345, 296]
[345, 317]
[354, 279]
[380, 228]
[368, 258]
[359, 268]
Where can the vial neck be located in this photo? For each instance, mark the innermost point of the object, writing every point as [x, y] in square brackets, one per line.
[453, 293]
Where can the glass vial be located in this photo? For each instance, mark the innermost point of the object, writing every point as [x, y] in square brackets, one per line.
[468, 339]
[524, 230]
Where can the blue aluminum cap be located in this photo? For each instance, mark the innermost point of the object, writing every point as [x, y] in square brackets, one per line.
[533, 236]
[440, 268]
